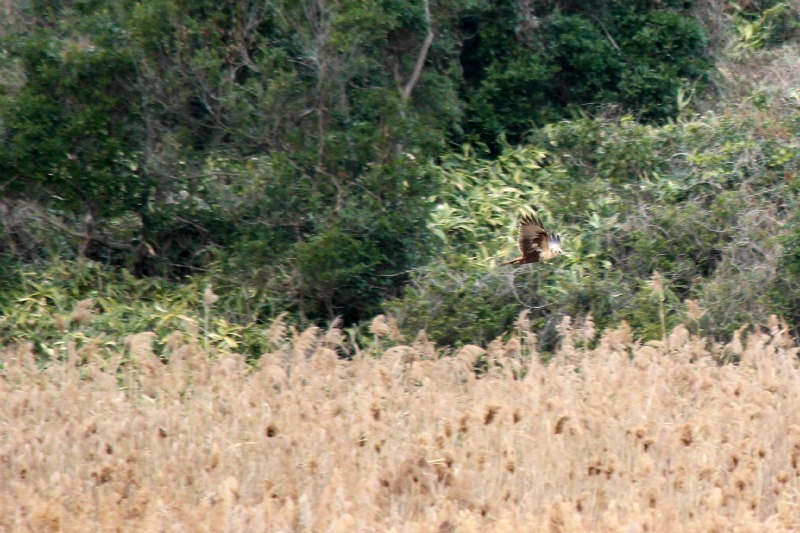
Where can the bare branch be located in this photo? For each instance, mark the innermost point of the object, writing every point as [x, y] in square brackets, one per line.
[405, 93]
[88, 235]
[608, 35]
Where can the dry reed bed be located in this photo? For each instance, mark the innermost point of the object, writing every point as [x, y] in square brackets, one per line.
[665, 440]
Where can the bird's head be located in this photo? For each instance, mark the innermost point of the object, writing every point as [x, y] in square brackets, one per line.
[555, 244]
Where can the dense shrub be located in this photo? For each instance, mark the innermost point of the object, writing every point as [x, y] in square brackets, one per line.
[699, 202]
[69, 305]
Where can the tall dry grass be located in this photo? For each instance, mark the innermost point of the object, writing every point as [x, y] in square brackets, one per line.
[623, 437]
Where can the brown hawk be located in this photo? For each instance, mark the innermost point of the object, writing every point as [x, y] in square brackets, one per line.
[535, 242]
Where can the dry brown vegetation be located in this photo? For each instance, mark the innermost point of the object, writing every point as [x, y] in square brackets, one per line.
[622, 437]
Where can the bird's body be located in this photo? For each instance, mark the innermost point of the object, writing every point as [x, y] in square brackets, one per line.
[535, 242]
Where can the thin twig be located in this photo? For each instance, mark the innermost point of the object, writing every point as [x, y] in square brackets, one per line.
[608, 35]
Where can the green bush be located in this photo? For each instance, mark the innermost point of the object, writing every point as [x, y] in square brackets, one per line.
[696, 201]
[69, 132]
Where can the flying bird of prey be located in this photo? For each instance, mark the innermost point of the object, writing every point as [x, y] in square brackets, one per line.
[535, 242]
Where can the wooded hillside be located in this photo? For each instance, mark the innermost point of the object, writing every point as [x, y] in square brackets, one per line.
[231, 162]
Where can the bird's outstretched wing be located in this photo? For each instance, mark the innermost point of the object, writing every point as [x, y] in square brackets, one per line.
[533, 239]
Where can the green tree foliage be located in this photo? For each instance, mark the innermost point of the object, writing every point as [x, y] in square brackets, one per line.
[533, 63]
[71, 129]
[154, 117]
